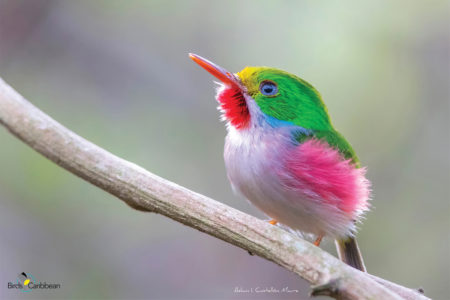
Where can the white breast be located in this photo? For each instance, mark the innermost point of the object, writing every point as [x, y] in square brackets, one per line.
[254, 160]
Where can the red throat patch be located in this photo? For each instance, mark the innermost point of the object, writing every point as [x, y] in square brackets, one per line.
[234, 107]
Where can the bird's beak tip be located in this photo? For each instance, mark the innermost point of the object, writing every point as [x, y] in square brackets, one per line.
[220, 73]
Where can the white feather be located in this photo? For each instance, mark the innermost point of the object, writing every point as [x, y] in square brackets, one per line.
[254, 159]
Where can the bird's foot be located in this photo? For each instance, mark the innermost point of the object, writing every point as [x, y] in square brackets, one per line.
[273, 222]
[318, 240]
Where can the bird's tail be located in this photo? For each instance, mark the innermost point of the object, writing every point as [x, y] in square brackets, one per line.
[348, 252]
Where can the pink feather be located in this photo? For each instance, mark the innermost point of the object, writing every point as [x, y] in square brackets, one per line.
[322, 170]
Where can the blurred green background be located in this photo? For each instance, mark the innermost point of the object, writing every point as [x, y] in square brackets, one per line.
[118, 74]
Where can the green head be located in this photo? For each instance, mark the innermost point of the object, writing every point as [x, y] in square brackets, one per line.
[278, 95]
[285, 97]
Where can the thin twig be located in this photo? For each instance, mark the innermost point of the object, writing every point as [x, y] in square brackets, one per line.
[145, 191]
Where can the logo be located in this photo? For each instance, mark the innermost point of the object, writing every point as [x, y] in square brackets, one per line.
[25, 280]
[27, 283]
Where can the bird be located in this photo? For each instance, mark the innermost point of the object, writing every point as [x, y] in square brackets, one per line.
[283, 154]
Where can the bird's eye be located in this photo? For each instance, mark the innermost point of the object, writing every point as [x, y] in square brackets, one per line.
[268, 88]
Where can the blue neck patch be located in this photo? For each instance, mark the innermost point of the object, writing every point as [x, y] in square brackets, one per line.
[296, 130]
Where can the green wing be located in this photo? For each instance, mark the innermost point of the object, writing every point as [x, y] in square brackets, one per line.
[335, 140]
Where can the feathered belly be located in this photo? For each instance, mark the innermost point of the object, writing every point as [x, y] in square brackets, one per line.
[307, 187]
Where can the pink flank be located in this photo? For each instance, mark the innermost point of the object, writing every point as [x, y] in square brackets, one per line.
[322, 171]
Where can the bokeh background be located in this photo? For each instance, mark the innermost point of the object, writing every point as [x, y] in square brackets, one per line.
[118, 74]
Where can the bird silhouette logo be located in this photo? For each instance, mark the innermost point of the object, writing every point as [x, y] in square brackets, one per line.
[25, 280]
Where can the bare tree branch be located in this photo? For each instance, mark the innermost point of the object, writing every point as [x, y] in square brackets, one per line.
[145, 191]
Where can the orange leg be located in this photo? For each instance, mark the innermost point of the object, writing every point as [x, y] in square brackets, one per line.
[318, 240]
